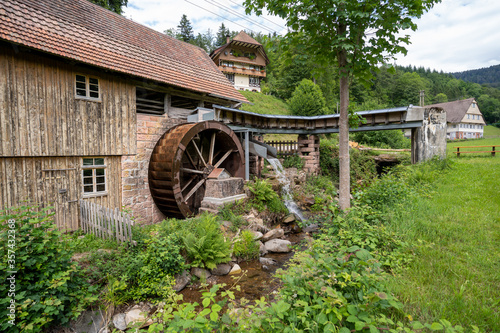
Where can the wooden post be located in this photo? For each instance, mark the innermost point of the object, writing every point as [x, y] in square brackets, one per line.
[493, 151]
[458, 151]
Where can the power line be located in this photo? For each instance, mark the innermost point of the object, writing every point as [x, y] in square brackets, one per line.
[276, 24]
[233, 12]
[220, 16]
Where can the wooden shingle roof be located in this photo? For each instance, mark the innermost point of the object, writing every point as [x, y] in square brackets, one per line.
[82, 31]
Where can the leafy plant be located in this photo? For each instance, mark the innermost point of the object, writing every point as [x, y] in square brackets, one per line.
[48, 288]
[293, 161]
[206, 246]
[245, 246]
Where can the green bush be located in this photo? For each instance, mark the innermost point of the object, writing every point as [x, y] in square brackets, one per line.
[206, 246]
[245, 246]
[232, 212]
[307, 100]
[264, 197]
[293, 161]
[394, 139]
[49, 288]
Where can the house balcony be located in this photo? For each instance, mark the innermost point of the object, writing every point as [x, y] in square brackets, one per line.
[242, 71]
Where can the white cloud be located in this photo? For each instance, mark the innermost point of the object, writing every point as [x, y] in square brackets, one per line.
[456, 36]
[203, 14]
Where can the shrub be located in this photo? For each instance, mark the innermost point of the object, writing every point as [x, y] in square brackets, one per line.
[293, 161]
[394, 139]
[264, 196]
[232, 212]
[245, 246]
[206, 245]
[307, 100]
[49, 288]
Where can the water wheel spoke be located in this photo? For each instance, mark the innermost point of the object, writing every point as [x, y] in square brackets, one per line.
[190, 158]
[194, 189]
[188, 183]
[199, 153]
[192, 171]
[223, 158]
[211, 151]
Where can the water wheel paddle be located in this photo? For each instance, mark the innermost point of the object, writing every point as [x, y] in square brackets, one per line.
[183, 159]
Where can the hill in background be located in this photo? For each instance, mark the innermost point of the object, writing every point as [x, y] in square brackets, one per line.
[264, 104]
[489, 76]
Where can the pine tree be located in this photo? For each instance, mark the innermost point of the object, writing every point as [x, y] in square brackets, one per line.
[221, 35]
[185, 29]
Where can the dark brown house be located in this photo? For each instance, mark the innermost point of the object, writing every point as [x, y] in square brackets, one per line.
[243, 60]
[85, 94]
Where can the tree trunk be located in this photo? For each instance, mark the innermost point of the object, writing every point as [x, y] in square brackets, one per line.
[344, 173]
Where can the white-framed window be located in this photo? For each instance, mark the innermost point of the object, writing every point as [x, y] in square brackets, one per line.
[254, 81]
[468, 116]
[473, 105]
[87, 87]
[228, 63]
[230, 77]
[94, 176]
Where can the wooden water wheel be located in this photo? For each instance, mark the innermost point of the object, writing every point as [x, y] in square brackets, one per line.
[183, 159]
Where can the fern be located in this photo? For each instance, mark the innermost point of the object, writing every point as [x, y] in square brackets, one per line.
[206, 246]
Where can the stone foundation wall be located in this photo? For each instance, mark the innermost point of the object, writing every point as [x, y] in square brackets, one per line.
[309, 152]
[135, 189]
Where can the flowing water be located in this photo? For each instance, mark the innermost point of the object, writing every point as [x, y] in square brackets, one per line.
[285, 189]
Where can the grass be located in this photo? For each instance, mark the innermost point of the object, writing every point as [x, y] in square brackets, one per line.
[264, 104]
[491, 132]
[456, 273]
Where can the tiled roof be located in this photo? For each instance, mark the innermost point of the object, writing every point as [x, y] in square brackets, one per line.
[82, 31]
[455, 111]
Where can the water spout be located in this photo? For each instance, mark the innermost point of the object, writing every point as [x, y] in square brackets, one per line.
[285, 188]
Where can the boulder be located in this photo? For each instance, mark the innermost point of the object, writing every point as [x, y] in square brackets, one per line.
[221, 269]
[181, 280]
[289, 218]
[257, 235]
[273, 234]
[278, 245]
[119, 321]
[311, 228]
[262, 249]
[200, 273]
[235, 270]
[268, 261]
[137, 315]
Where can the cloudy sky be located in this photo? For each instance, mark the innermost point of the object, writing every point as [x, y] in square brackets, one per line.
[455, 35]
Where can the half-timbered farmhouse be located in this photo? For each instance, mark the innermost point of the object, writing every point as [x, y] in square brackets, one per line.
[85, 94]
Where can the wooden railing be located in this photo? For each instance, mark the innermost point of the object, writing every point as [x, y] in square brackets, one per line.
[492, 151]
[285, 148]
[105, 223]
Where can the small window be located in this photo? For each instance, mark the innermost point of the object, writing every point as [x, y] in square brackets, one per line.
[87, 87]
[473, 105]
[230, 77]
[94, 176]
[254, 81]
[468, 116]
[228, 63]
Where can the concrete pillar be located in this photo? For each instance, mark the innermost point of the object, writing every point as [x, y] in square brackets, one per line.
[308, 149]
[430, 139]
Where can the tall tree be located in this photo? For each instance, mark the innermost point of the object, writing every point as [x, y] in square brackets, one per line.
[358, 34]
[220, 38]
[185, 29]
[113, 5]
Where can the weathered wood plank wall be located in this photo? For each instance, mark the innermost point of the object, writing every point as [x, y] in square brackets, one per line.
[40, 115]
[57, 182]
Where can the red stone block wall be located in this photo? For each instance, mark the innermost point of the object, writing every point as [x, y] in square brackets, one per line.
[135, 189]
[309, 152]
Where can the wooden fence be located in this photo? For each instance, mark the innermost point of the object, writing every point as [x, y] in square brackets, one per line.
[285, 148]
[492, 151]
[105, 223]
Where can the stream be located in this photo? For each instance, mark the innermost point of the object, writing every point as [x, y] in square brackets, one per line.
[256, 279]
